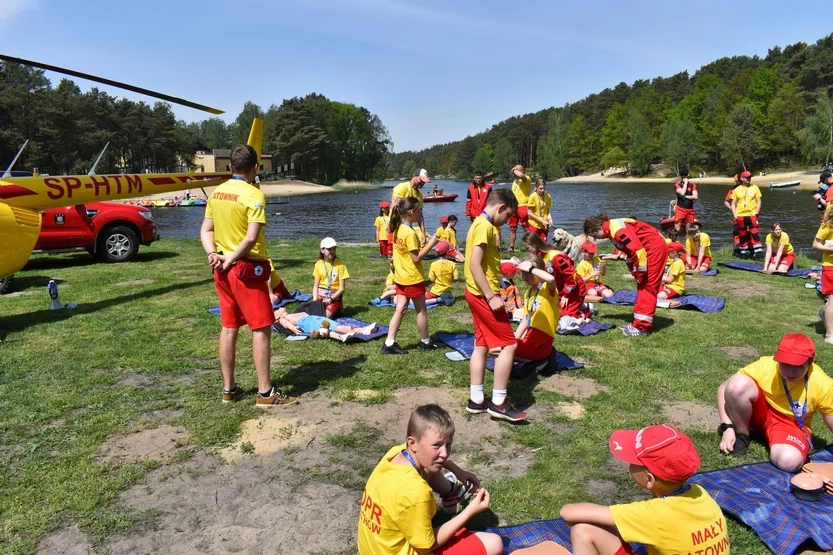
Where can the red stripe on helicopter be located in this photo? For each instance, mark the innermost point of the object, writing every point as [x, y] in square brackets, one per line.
[162, 180]
[13, 191]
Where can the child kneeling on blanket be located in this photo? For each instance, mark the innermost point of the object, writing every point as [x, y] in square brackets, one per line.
[318, 327]
[398, 501]
[674, 278]
[679, 518]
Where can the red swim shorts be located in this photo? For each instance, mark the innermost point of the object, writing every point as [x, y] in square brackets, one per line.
[684, 215]
[778, 428]
[534, 345]
[411, 291]
[464, 542]
[669, 293]
[491, 329]
[827, 280]
[243, 302]
[521, 215]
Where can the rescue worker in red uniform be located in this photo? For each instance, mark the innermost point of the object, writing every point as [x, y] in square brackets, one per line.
[646, 252]
[476, 196]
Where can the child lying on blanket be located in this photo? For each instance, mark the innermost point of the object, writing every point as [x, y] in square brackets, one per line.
[319, 327]
[679, 518]
[674, 278]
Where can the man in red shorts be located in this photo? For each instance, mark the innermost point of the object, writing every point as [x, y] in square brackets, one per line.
[492, 329]
[686, 195]
[777, 397]
[232, 236]
[521, 188]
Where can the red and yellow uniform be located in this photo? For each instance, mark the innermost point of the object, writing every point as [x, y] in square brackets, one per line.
[476, 199]
[646, 253]
[540, 206]
[232, 206]
[521, 189]
[825, 235]
[676, 287]
[541, 312]
[771, 412]
[735, 238]
[407, 273]
[442, 272]
[568, 283]
[746, 218]
[490, 329]
[381, 225]
[788, 255]
[692, 249]
[690, 522]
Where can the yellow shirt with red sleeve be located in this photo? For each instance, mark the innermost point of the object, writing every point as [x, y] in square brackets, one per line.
[406, 271]
[330, 275]
[404, 190]
[783, 240]
[540, 207]
[233, 205]
[396, 511]
[381, 225]
[689, 522]
[521, 188]
[819, 392]
[482, 232]
[746, 199]
[692, 247]
[442, 273]
[677, 271]
[825, 235]
[585, 268]
[626, 241]
[541, 307]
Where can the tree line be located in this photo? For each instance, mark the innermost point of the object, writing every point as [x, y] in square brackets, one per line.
[735, 113]
[67, 129]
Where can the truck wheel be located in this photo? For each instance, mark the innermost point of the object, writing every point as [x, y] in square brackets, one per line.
[117, 244]
[6, 284]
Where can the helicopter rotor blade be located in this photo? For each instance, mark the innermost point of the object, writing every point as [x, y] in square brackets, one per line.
[87, 76]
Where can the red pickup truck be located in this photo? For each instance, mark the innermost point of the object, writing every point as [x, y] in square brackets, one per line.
[110, 231]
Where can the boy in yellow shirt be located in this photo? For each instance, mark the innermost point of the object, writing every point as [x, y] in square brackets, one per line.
[679, 518]
[398, 500]
[442, 272]
[674, 278]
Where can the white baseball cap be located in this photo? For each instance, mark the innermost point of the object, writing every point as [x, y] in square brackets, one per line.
[328, 243]
[423, 175]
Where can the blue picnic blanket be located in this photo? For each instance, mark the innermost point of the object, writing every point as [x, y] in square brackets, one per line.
[533, 533]
[388, 302]
[752, 267]
[590, 328]
[702, 303]
[709, 272]
[759, 495]
[381, 331]
[463, 343]
[294, 297]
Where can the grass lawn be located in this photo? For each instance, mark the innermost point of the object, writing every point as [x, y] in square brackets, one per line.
[140, 351]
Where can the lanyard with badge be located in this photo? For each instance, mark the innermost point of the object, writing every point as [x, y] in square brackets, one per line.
[411, 460]
[798, 418]
[530, 308]
[329, 276]
[488, 218]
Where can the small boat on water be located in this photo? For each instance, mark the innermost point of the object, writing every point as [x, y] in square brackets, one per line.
[440, 198]
[784, 184]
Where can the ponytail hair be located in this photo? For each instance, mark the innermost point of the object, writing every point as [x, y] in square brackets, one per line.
[401, 209]
[531, 240]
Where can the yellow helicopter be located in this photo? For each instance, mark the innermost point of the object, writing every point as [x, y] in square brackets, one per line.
[23, 198]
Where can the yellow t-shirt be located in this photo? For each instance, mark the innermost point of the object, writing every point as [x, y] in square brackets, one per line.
[820, 388]
[442, 273]
[233, 205]
[330, 275]
[585, 268]
[542, 309]
[452, 236]
[389, 279]
[747, 200]
[406, 271]
[396, 511]
[825, 235]
[381, 225]
[443, 234]
[540, 207]
[404, 190]
[784, 240]
[690, 522]
[677, 270]
[482, 232]
[521, 187]
[692, 247]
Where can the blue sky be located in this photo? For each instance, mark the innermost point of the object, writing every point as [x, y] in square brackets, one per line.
[433, 71]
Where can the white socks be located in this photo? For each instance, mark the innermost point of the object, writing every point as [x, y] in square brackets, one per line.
[498, 396]
[476, 393]
[389, 342]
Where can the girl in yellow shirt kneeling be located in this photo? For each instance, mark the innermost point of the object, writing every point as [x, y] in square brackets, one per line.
[781, 260]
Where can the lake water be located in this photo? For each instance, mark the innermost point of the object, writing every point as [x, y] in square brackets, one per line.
[348, 216]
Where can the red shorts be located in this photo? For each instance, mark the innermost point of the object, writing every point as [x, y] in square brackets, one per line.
[332, 309]
[707, 262]
[684, 215]
[464, 542]
[430, 295]
[827, 280]
[625, 549]
[411, 291]
[669, 293]
[788, 260]
[534, 345]
[243, 302]
[521, 215]
[778, 428]
[452, 253]
[280, 290]
[491, 329]
[597, 288]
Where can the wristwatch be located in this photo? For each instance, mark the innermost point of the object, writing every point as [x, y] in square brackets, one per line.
[723, 427]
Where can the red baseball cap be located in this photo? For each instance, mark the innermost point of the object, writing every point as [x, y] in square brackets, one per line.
[747, 174]
[444, 220]
[675, 246]
[589, 246]
[384, 204]
[664, 450]
[795, 349]
[508, 269]
[442, 248]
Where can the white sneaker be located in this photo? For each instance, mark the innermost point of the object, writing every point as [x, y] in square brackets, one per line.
[347, 336]
[367, 330]
[829, 338]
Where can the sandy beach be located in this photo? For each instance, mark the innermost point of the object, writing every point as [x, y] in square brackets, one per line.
[283, 188]
[808, 181]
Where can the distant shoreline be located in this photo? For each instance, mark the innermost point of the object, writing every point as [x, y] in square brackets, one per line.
[808, 182]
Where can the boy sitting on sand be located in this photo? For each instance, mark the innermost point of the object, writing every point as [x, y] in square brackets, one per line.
[398, 501]
[679, 518]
